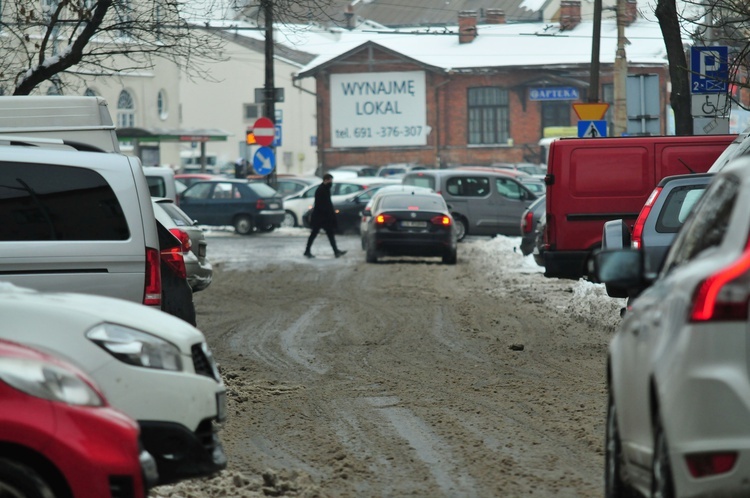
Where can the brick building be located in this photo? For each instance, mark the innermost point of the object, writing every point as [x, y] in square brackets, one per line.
[477, 93]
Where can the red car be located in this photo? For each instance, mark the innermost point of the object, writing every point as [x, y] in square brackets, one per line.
[59, 437]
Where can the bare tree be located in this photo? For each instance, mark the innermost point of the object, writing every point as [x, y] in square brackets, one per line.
[666, 13]
[59, 40]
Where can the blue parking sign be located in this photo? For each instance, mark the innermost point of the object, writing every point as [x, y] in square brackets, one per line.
[709, 69]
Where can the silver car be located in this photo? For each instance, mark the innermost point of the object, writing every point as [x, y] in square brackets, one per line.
[677, 368]
[198, 267]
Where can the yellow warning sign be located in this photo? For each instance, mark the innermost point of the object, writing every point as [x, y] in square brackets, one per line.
[591, 111]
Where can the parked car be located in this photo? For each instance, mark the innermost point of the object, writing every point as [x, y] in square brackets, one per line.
[411, 225]
[162, 182]
[59, 436]
[360, 169]
[529, 225]
[247, 206]
[194, 245]
[481, 202]
[384, 190]
[539, 243]
[398, 170]
[286, 184]
[154, 367]
[78, 221]
[349, 208]
[177, 296]
[677, 367]
[297, 205]
[190, 178]
[660, 219]
[534, 170]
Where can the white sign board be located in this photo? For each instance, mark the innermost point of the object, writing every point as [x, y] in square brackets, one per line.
[709, 104]
[378, 109]
[710, 126]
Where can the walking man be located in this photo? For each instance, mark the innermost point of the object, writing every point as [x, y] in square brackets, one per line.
[323, 216]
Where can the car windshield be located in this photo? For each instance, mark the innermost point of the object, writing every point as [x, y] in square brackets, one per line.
[419, 202]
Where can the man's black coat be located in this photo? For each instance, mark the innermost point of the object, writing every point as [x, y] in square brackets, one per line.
[323, 215]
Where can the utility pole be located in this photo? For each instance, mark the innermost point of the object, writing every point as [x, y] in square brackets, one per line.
[620, 124]
[269, 90]
[595, 44]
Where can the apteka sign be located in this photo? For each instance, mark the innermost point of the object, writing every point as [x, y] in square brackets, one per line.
[554, 93]
[378, 109]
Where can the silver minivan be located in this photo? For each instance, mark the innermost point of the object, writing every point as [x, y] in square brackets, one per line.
[481, 202]
[79, 222]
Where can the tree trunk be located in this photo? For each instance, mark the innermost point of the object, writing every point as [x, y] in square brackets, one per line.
[666, 13]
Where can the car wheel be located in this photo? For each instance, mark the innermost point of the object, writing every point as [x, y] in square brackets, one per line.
[20, 481]
[243, 224]
[614, 486]
[371, 255]
[450, 257]
[289, 219]
[662, 484]
[461, 227]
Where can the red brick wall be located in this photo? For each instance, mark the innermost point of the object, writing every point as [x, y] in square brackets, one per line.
[447, 114]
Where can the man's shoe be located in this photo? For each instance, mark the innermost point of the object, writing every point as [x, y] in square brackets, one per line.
[308, 254]
[339, 253]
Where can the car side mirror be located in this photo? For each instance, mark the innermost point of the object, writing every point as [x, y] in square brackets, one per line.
[621, 268]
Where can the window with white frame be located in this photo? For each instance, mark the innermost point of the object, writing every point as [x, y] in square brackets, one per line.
[488, 115]
[125, 110]
[161, 104]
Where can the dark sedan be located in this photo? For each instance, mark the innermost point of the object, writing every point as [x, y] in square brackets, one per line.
[245, 206]
[411, 225]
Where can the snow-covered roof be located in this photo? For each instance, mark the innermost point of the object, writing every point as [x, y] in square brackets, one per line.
[499, 45]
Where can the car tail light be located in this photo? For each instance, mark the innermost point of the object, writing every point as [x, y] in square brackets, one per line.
[636, 239]
[260, 204]
[184, 239]
[724, 295]
[172, 257]
[526, 222]
[709, 464]
[384, 219]
[152, 291]
[442, 220]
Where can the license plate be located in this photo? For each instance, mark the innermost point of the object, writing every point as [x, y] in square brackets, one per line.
[221, 406]
[414, 224]
[273, 206]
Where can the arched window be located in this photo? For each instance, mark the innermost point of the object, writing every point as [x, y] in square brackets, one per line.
[125, 110]
[161, 104]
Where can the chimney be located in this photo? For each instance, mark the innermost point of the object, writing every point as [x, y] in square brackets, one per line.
[495, 16]
[570, 14]
[631, 12]
[467, 26]
[349, 16]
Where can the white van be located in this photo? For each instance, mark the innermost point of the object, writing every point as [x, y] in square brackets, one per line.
[80, 120]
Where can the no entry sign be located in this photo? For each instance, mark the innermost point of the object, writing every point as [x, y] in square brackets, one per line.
[264, 131]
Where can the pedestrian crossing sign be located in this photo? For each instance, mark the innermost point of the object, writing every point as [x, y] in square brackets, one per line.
[592, 129]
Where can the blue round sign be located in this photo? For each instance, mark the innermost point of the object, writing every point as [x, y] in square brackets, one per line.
[264, 160]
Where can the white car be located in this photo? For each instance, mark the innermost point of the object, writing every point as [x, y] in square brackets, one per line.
[295, 206]
[150, 365]
[679, 383]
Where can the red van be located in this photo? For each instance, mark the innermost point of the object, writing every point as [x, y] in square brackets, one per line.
[593, 180]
